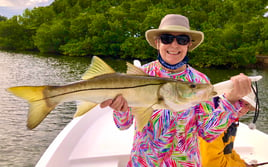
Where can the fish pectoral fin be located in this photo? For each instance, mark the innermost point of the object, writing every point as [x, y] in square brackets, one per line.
[142, 116]
[83, 107]
[97, 67]
[131, 69]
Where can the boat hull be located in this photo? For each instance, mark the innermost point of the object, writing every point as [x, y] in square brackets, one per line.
[94, 140]
[90, 140]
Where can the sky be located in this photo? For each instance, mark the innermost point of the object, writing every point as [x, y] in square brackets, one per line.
[9, 8]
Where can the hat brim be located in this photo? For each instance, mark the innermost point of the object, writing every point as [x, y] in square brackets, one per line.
[197, 37]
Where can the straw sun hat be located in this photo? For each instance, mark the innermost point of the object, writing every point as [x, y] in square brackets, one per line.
[175, 23]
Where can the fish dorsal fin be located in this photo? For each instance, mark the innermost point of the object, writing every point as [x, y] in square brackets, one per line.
[97, 67]
[133, 70]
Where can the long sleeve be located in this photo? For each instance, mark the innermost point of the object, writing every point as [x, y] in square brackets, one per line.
[123, 120]
[215, 117]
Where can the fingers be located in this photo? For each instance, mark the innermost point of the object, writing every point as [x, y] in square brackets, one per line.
[241, 88]
[106, 103]
[119, 103]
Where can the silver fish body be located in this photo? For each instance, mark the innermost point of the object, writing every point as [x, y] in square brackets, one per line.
[142, 92]
[139, 91]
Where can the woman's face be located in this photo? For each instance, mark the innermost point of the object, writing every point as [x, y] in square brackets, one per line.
[172, 53]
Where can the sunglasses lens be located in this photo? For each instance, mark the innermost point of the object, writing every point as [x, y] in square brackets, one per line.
[167, 38]
[183, 39]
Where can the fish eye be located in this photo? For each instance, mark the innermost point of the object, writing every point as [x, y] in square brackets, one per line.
[192, 86]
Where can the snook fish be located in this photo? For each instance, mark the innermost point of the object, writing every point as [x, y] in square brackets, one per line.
[142, 92]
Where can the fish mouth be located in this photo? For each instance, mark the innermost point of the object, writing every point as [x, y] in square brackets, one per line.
[211, 91]
[207, 93]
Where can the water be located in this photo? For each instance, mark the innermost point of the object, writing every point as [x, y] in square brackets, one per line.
[20, 147]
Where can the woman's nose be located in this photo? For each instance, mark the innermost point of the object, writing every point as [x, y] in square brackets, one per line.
[174, 43]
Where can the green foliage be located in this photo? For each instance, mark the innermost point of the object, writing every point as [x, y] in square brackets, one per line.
[49, 38]
[33, 19]
[76, 48]
[14, 36]
[3, 18]
[235, 31]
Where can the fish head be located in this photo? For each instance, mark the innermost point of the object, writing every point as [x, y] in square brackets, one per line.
[181, 95]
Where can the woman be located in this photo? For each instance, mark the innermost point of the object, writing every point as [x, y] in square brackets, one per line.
[171, 138]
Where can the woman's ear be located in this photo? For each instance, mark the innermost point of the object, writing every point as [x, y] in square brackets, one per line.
[190, 44]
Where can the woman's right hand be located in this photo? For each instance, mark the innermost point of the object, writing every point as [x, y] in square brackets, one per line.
[119, 103]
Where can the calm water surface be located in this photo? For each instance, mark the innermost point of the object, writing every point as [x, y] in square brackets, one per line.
[20, 147]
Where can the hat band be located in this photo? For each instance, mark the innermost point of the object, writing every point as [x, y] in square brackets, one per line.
[174, 27]
[174, 66]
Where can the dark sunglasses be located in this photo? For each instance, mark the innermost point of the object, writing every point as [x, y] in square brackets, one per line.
[181, 39]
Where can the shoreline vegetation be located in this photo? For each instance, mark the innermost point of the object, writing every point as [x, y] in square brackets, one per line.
[236, 32]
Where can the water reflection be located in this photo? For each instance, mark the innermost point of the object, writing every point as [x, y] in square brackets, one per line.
[19, 146]
[22, 147]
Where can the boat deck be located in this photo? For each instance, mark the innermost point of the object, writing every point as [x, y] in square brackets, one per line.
[86, 141]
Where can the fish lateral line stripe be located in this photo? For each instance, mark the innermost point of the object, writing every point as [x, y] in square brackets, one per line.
[97, 89]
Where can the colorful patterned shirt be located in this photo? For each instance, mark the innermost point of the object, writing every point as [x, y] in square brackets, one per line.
[170, 139]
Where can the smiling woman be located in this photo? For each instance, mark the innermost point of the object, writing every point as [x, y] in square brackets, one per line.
[172, 135]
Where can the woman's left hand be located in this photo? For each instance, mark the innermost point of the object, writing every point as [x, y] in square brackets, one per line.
[241, 88]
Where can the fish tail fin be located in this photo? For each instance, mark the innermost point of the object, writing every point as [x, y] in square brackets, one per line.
[39, 105]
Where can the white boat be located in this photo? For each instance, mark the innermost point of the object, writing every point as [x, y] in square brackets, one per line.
[93, 140]
[251, 145]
